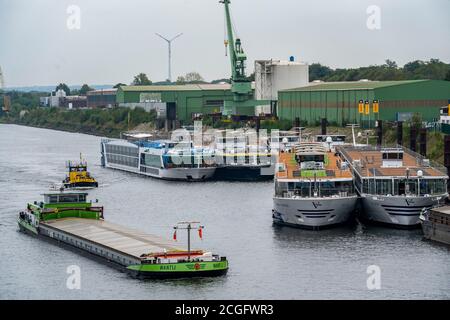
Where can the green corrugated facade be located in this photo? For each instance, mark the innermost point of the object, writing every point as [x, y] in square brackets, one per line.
[338, 101]
[189, 99]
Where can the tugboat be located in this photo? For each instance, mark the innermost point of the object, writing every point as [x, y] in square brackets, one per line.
[69, 218]
[79, 178]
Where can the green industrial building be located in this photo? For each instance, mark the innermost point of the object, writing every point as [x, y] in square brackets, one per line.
[186, 101]
[338, 101]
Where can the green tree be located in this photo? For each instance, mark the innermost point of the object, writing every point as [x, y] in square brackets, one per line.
[390, 63]
[64, 87]
[318, 72]
[227, 80]
[119, 85]
[413, 66]
[141, 80]
[190, 77]
[84, 89]
[181, 80]
[193, 76]
[447, 76]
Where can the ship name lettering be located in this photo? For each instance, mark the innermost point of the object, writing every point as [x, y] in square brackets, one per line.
[169, 267]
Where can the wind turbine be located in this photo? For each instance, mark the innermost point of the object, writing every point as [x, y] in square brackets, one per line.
[169, 42]
[2, 81]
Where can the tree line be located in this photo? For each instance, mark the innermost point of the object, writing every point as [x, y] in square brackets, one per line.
[433, 69]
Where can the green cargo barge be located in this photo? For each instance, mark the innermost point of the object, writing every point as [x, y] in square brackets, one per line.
[67, 217]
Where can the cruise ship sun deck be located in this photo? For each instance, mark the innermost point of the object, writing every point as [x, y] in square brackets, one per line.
[331, 169]
[390, 162]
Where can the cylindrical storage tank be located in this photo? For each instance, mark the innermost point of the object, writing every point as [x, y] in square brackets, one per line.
[272, 76]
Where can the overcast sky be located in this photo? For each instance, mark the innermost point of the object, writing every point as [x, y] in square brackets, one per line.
[116, 39]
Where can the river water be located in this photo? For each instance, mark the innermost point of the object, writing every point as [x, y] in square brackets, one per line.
[266, 261]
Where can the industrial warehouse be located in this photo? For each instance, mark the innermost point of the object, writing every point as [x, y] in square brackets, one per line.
[336, 101]
[181, 102]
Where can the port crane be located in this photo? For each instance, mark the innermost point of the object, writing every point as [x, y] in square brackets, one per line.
[243, 102]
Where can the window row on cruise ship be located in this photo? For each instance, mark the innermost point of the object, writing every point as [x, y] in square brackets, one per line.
[307, 189]
[124, 150]
[403, 186]
[122, 160]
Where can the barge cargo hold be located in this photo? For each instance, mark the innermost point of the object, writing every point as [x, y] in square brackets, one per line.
[436, 224]
[68, 218]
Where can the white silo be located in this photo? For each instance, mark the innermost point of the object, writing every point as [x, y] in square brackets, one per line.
[274, 75]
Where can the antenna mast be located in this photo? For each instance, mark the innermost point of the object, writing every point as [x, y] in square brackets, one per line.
[189, 226]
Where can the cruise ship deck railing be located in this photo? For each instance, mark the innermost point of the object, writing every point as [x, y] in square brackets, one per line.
[420, 160]
[347, 158]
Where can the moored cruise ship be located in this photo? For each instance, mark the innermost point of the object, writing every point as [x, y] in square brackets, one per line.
[249, 163]
[252, 156]
[242, 156]
[163, 159]
[313, 187]
[395, 184]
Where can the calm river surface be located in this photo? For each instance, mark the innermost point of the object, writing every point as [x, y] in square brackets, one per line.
[266, 262]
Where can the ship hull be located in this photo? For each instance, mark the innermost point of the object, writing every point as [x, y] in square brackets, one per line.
[188, 174]
[180, 270]
[244, 173]
[436, 232]
[26, 227]
[396, 211]
[314, 213]
[180, 174]
[81, 185]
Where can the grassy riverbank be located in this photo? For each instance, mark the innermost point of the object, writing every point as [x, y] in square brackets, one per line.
[101, 122]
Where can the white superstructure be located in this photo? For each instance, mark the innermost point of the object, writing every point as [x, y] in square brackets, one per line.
[164, 159]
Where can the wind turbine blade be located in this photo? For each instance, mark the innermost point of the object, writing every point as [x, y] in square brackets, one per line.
[178, 35]
[162, 37]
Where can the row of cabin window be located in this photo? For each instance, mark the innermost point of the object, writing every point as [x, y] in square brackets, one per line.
[122, 160]
[123, 150]
[67, 198]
